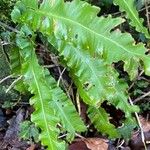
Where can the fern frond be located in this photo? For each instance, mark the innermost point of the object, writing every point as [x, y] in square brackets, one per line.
[84, 47]
[77, 22]
[101, 83]
[16, 61]
[82, 36]
[89, 47]
[48, 100]
[100, 119]
[129, 7]
[95, 80]
[127, 128]
[65, 110]
[16, 64]
[43, 116]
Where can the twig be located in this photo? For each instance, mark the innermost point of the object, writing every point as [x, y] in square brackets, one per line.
[143, 78]
[55, 61]
[60, 77]
[147, 14]
[13, 83]
[70, 92]
[141, 97]
[3, 43]
[77, 135]
[133, 83]
[62, 136]
[50, 66]
[4, 79]
[8, 27]
[78, 103]
[80, 136]
[140, 125]
[120, 145]
[144, 8]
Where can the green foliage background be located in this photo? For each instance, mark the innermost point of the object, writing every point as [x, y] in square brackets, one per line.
[6, 7]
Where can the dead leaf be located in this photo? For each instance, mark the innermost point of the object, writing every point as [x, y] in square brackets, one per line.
[96, 143]
[145, 124]
[13, 129]
[11, 137]
[78, 144]
[32, 147]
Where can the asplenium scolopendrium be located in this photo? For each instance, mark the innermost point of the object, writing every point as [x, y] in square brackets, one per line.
[88, 47]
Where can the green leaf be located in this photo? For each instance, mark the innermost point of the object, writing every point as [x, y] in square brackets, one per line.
[97, 78]
[15, 14]
[56, 18]
[15, 60]
[43, 116]
[127, 128]
[129, 7]
[28, 130]
[89, 48]
[147, 65]
[89, 74]
[5, 71]
[52, 107]
[100, 119]
[95, 84]
[70, 120]
[16, 65]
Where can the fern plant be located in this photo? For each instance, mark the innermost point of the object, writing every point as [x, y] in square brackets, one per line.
[129, 7]
[88, 46]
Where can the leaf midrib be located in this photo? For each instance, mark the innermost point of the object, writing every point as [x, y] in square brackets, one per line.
[86, 28]
[134, 16]
[42, 106]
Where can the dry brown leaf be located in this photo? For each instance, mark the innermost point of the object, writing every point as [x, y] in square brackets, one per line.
[145, 124]
[32, 147]
[78, 144]
[96, 143]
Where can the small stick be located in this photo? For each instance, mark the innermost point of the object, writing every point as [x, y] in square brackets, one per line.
[120, 145]
[141, 97]
[60, 77]
[78, 103]
[50, 66]
[147, 14]
[4, 79]
[140, 125]
[62, 136]
[4, 43]
[77, 135]
[13, 83]
[8, 27]
[80, 136]
[133, 83]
